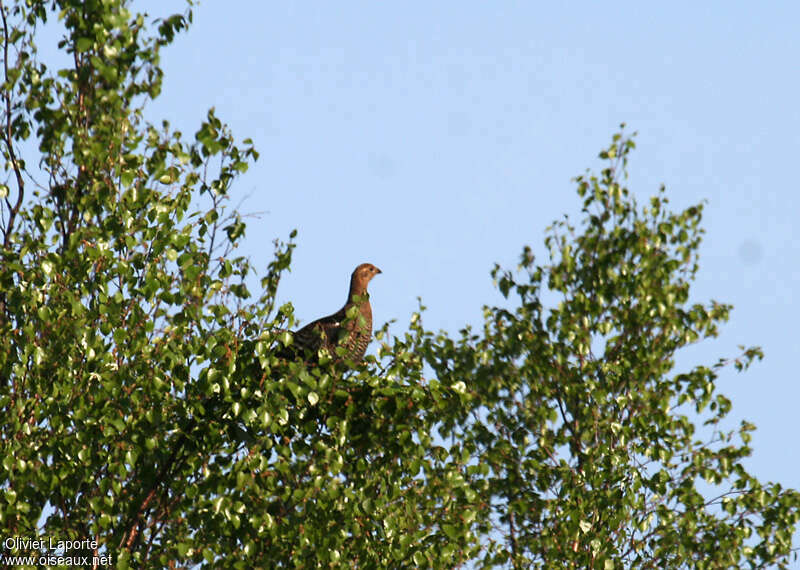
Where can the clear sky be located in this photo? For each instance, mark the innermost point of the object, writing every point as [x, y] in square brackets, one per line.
[434, 139]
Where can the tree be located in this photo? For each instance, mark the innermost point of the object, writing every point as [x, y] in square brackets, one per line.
[145, 407]
[590, 449]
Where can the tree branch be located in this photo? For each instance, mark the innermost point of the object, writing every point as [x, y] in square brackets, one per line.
[7, 138]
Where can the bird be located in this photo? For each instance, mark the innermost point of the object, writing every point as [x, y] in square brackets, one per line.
[345, 328]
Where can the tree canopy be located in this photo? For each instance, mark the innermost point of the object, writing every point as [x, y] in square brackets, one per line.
[145, 406]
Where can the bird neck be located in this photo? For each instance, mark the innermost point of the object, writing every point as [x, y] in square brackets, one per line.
[359, 289]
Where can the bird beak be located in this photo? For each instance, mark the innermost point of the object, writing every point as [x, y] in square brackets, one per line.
[378, 270]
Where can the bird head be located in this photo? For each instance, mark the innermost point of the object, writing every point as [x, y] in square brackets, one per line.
[362, 276]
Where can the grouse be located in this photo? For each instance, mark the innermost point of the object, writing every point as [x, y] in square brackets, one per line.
[345, 328]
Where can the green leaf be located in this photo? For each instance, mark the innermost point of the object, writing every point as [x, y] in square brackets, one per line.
[83, 44]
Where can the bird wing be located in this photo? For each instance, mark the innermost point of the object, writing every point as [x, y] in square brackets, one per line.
[322, 333]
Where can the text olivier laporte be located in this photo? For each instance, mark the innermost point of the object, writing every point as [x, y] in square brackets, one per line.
[55, 552]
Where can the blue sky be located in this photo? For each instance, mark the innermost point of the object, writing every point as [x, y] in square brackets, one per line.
[436, 139]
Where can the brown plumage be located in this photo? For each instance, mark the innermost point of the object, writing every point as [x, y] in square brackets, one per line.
[354, 333]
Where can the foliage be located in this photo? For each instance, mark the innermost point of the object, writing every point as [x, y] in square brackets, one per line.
[590, 449]
[140, 407]
[144, 407]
